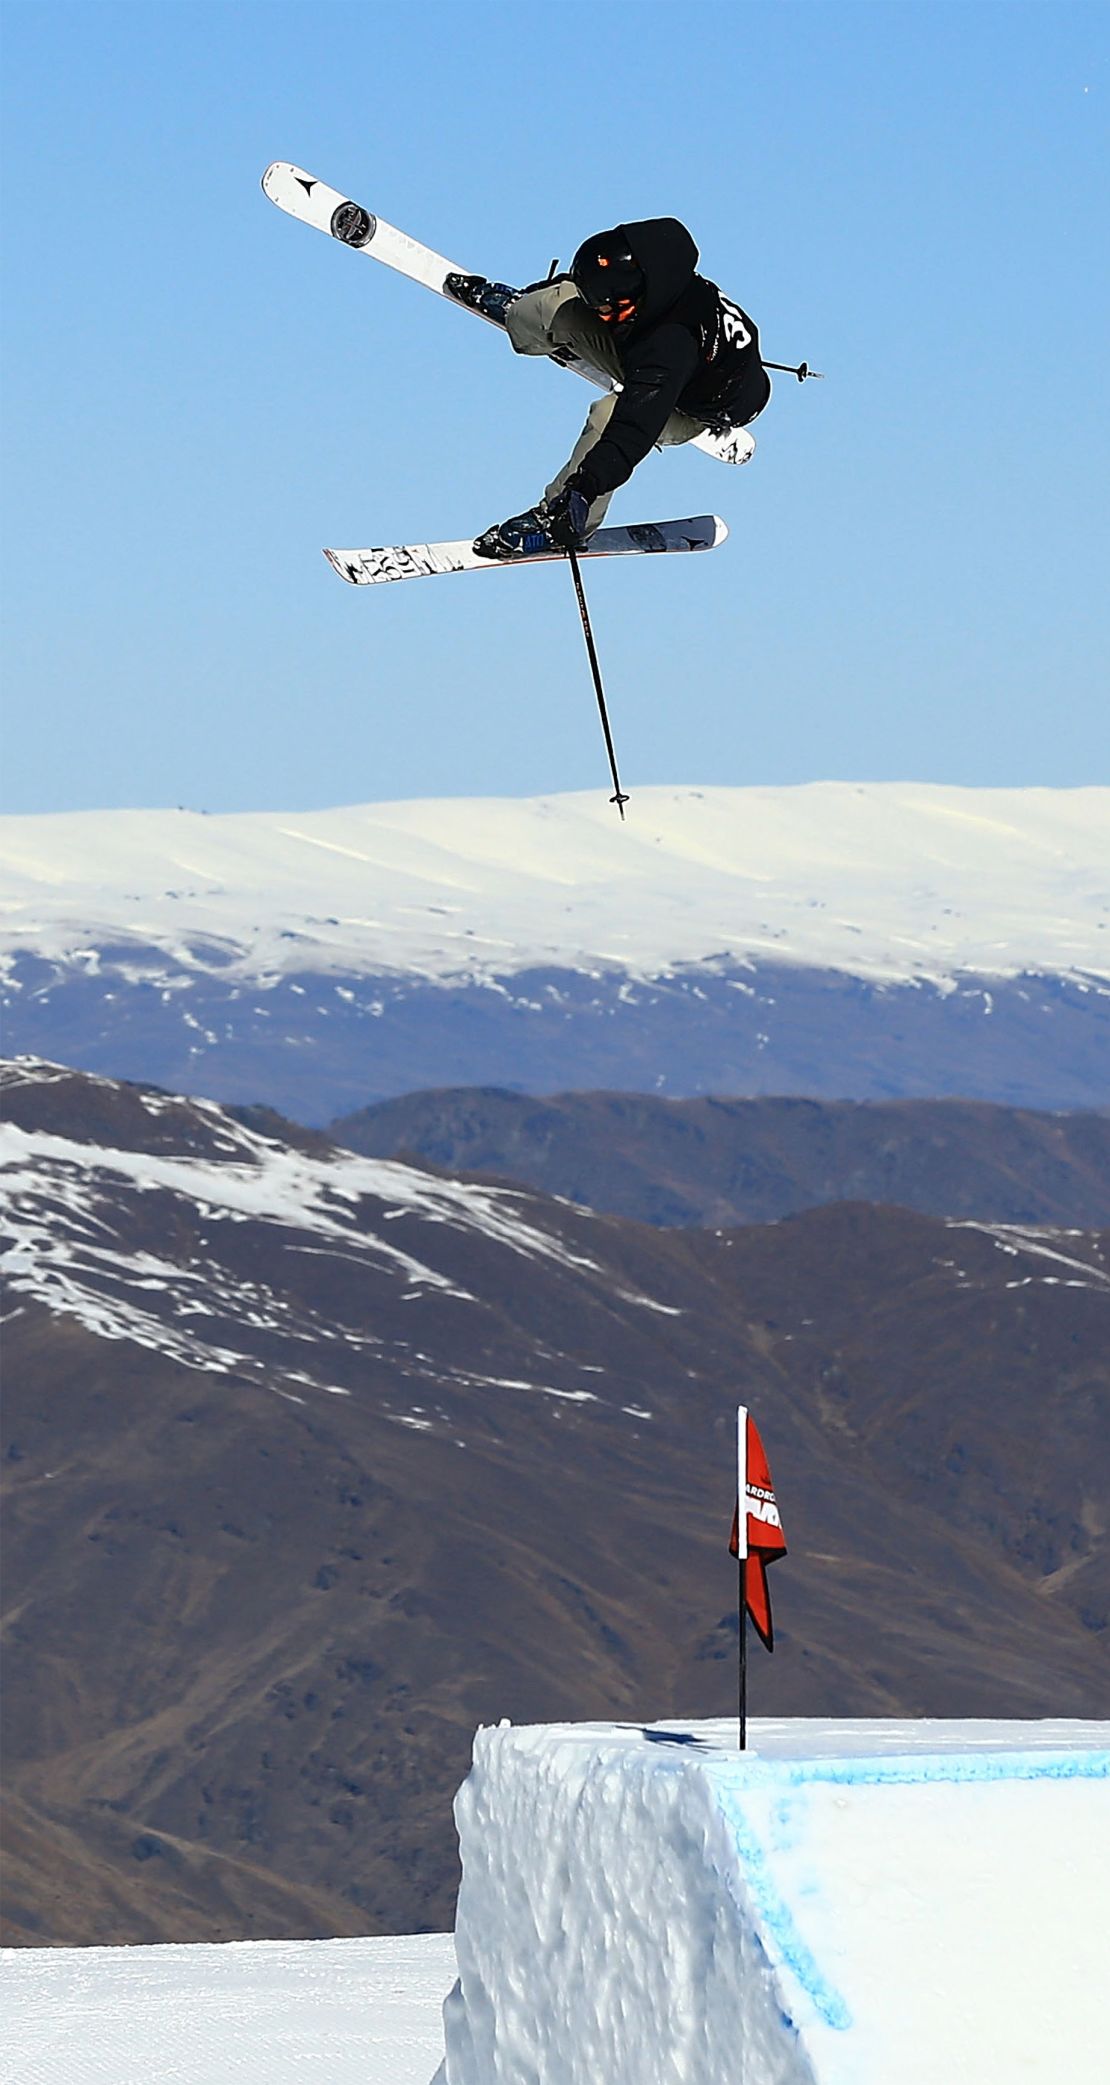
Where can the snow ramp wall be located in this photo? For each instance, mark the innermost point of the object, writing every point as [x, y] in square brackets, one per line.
[843, 1904]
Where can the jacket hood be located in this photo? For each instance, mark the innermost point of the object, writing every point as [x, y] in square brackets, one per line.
[668, 257]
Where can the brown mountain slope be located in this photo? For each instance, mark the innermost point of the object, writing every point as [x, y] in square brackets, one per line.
[312, 1463]
[701, 1162]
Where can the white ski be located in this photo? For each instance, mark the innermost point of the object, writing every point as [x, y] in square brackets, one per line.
[313, 202]
[421, 560]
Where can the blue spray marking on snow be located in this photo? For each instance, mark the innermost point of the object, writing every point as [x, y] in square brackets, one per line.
[774, 1914]
[910, 1771]
[751, 1772]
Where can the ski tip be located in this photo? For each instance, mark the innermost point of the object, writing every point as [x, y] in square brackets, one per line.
[720, 529]
[344, 569]
[281, 171]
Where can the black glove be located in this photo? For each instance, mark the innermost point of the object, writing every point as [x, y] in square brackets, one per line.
[569, 512]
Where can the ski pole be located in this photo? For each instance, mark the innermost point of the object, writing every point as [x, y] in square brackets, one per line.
[620, 798]
[801, 371]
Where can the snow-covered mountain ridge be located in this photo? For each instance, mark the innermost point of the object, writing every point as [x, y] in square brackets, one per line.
[835, 941]
[885, 881]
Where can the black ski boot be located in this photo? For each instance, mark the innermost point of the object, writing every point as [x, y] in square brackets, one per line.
[491, 299]
[523, 535]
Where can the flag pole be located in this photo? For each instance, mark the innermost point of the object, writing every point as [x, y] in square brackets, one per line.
[743, 1689]
[741, 1569]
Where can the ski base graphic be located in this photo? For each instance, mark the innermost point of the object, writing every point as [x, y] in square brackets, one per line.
[378, 566]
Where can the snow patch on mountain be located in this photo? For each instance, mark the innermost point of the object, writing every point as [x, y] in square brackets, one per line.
[1040, 1243]
[274, 1184]
[61, 1203]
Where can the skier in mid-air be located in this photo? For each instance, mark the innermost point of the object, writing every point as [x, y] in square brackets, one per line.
[634, 307]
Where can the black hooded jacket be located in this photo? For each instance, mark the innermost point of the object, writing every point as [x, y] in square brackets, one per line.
[687, 349]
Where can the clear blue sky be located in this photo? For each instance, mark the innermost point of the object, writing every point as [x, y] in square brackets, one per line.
[199, 393]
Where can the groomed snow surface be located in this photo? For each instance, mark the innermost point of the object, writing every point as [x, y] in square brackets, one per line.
[872, 1903]
[309, 2012]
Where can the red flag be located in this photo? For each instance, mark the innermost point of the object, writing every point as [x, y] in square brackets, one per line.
[764, 1539]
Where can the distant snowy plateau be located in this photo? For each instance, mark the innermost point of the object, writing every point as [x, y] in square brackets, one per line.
[837, 940]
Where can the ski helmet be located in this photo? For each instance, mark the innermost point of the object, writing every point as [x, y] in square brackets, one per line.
[605, 273]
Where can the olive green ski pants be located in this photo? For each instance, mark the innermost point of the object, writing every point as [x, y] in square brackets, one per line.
[554, 316]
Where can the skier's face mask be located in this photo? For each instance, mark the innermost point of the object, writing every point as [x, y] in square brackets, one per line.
[609, 280]
[618, 312]
[619, 305]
